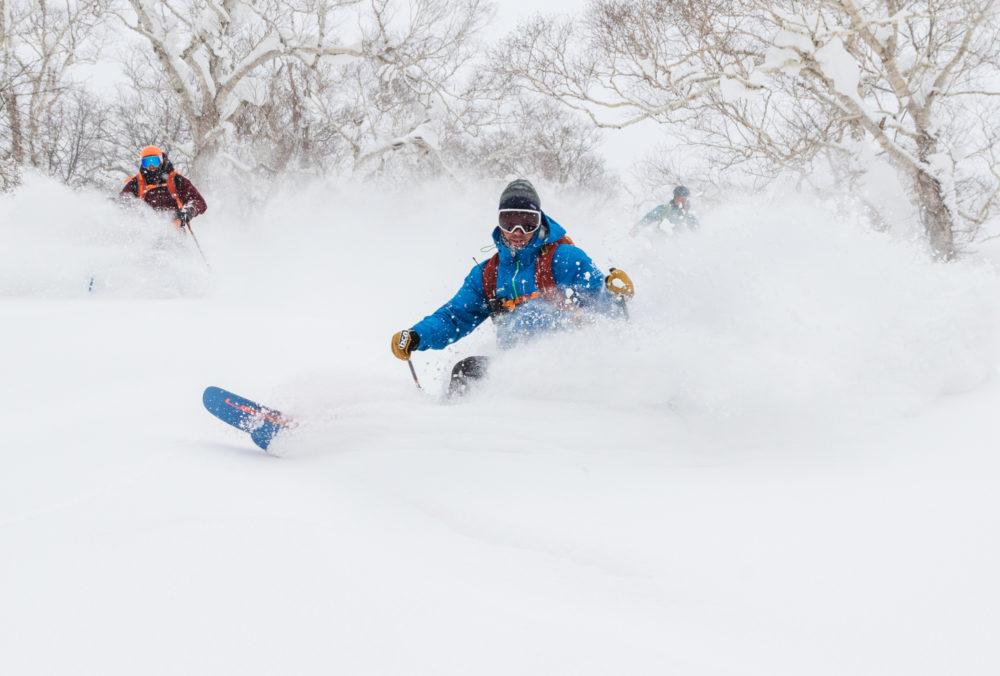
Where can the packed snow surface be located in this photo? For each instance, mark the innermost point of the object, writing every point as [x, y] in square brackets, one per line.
[785, 463]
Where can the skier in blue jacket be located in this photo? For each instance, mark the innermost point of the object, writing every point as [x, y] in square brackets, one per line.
[538, 281]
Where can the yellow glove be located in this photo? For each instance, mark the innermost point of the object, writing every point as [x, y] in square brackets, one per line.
[403, 343]
[620, 284]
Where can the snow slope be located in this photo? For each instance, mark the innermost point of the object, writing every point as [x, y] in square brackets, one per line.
[785, 464]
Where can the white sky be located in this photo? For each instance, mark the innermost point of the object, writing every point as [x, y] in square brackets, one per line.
[510, 12]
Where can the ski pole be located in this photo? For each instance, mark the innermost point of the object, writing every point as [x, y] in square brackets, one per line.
[195, 238]
[413, 372]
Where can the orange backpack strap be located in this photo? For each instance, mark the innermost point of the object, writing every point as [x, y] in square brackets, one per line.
[545, 278]
[490, 282]
[142, 187]
[172, 187]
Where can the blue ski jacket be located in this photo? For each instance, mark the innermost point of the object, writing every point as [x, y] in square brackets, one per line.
[575, 275]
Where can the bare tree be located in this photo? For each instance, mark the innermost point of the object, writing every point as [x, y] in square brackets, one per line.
[770, 85]
[40, 43]
[623, 62]
[224, 59]
[533, 136]
[145, 112]
[897, 72]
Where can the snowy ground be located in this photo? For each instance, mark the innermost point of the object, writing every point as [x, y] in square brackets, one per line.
[784, 465]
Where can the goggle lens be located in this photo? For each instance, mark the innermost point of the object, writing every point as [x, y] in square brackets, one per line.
[512, 220]
[150, 162]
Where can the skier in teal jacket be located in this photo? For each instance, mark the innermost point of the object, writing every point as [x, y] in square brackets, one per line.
[677, 212]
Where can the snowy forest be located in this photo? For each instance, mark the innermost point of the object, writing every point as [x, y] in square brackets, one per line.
[457, 337]
[827, 92]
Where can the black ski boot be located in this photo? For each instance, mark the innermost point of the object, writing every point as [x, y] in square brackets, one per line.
[465, 373]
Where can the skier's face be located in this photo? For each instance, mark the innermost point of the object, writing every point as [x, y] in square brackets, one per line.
[518, 239]
[681, 201]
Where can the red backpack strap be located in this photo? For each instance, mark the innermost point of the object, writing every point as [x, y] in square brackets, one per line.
[545, 279]
[490, 281]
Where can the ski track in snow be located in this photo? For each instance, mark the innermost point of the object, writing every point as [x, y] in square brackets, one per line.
[785, 464]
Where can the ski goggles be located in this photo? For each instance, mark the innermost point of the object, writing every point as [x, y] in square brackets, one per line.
[150, 162]
[525, 220]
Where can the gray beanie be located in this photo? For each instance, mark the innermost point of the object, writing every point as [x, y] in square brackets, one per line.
[520, 194]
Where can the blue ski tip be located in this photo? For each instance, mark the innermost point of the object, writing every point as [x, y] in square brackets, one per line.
[263, 435]
[262, 423]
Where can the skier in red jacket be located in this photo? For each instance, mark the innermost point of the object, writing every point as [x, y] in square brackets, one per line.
[161, 187]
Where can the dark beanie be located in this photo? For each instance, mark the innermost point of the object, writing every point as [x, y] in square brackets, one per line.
[520, 194]
[681, 191]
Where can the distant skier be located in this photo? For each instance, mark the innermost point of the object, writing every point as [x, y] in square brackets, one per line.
[677, 212]
[161, 187]
[538, 281]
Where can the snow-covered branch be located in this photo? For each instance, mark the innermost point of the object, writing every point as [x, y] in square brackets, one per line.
[221, 57]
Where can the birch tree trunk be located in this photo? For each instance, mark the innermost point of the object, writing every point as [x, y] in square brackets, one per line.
[935, 215]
